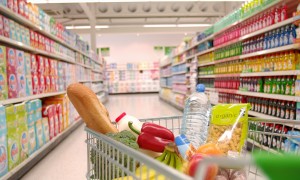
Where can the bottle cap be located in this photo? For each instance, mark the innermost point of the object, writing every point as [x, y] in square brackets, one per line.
[120, 117]
[181, 140]
[200, 88]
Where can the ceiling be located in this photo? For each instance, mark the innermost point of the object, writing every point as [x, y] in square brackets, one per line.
[131, 17]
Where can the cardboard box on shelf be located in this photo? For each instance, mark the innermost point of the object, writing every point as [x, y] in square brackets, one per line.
[41, 84]
[31, 138]
[39, 134]
[3, 154]
[35, 84]
[12, 73]
[6, 27]
[3, 77]
[33, 64]
[12, 29]
[24, 141]
[41, 64]
[46, 130]
[1, 26]
[48, 112]
[21, 78]
[48, 84]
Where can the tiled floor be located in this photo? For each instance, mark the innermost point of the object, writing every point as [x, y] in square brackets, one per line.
[68, 161]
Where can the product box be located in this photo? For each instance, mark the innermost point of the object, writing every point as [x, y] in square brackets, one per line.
[46, 67]
[36, 39]
[12, 85]
[16, 6]
[60, 117]
[47, 45]
[5, 27]
[1, 26]
[21, 4]
[3, 84]
[11, 73]
[21, 113]
[24, 141]
[31, 138]
[17, 32]
[33, 64]
[21, 73]
[3, 127]
[46, 130]
[10, 4]
[12, 30]
[56, 120]
[47, 84]
[41, 84]
[48, 112]
[32, 38]
[39, 134]
[11, 60]
[27, 37]
[3, 154]
[29, 85]
[41, 64]
[35, 84]
[22, 34]
[4, 2]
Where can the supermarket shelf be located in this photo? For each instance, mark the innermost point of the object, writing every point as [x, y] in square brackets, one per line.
[273, 50]
[178, 54]
[264, 116]
[206, 76]
[167, 64]
[241, 20]
[179, 92]
[59, 57]
[16, 44]
[97, 71]
[204, 52]
[207, 64]
[182, 62]
[178, 106]
[31, 161]
[202, 41]
[182, 72]
[9, 13]
[86, 66]
[269, 28]
[227, 43]
[168, 87]
[266, 95]
[99, 80]
[262, 146]
[17, 100]
[271, 73]
[166, 76]
[189, 57]
[178, 82]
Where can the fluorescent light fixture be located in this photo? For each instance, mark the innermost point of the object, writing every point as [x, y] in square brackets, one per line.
[86, 27]
[159, 25]
[193, 25]
[174, 25]
[96, 1]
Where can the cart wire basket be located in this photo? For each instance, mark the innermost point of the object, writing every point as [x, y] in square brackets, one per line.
[109, 159]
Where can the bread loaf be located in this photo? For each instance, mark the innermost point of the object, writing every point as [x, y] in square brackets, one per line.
[91, 110]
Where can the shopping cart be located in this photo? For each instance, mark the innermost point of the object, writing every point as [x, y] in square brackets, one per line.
[109, 159]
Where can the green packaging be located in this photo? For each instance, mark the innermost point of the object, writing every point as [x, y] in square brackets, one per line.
[229, 127]
[23, 140]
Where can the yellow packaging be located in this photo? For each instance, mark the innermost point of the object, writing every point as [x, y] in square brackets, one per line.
[229, 127]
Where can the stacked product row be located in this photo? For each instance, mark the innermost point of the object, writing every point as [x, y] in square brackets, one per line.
[26, 127]
[45, 22]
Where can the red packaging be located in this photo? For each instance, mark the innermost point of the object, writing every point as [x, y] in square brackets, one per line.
[1, 26]
[10, 4]
[26, 9]
[60, 117]
[48, 112]
[277, 15]
[35, 84]
[21, 4]
[47, 84]
[283, 13]
[36, 40]
[16, 6]
[56, 121]
[41, 84]
[12, 73]
[46, 67]
[41, 64]
[34, 64]
[5, 27]
[53, 84]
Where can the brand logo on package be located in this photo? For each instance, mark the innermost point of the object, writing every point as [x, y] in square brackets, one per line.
[14, 152]
[12, 82]
[24, 141]
[3, 158]
[11, 57]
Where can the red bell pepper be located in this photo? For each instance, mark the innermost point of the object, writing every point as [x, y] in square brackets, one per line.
[152, 136]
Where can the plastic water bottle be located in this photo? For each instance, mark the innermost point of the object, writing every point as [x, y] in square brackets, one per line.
[196, 116]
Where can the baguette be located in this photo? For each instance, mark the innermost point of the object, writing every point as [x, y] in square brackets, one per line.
[92, 111]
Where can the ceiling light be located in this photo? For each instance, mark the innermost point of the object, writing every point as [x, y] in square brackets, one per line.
[193, 25]
[97, 1]
[159, 25]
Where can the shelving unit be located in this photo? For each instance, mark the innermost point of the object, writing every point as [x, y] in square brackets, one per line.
[86, 70]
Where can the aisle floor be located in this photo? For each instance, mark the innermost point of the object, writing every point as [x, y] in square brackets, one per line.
[68, 161]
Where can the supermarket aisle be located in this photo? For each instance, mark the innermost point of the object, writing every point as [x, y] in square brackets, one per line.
[69, 159]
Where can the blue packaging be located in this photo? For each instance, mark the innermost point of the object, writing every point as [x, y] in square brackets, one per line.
[281, 37]
[3, 154]
[3, 127]
[292, 34]
[286, 35]
[266, 39]
[3, 2]
[184, 146]
[31, 138]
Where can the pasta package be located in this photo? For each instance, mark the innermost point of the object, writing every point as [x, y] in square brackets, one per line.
[229, 127]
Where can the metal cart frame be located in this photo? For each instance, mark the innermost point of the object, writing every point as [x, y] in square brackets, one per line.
[109, 159]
